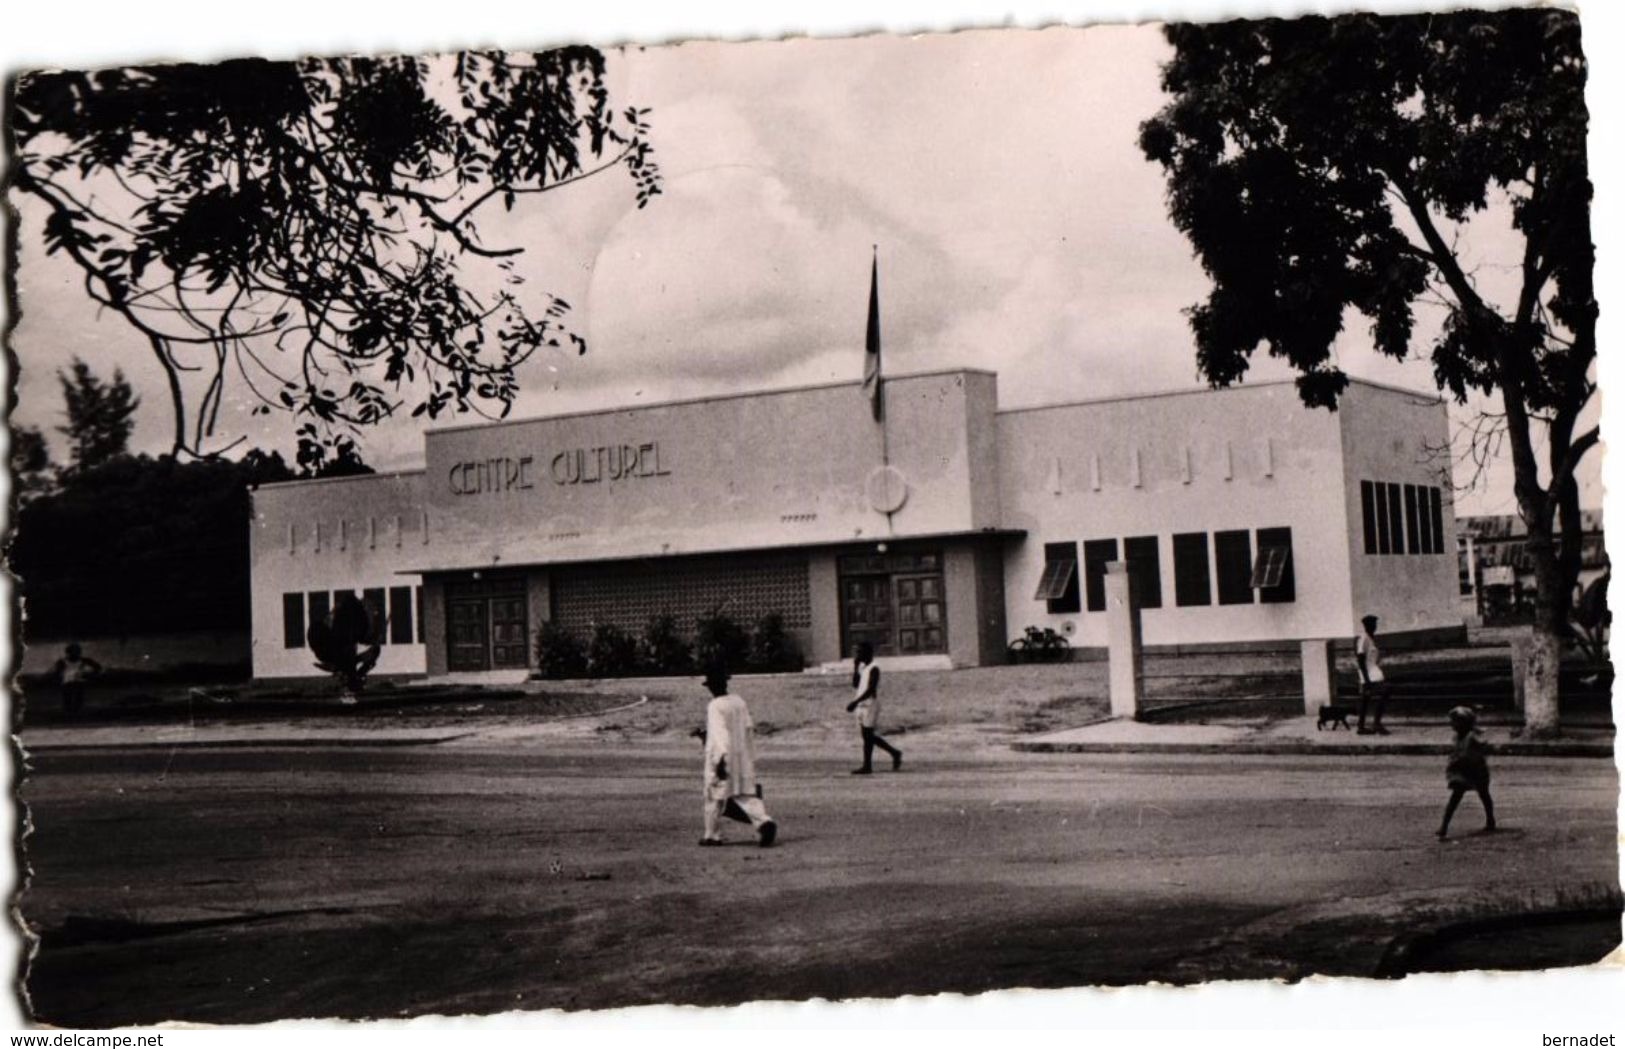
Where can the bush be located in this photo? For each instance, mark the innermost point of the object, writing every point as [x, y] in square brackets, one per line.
[719, 641]
[611, 651]
[770, 647]
[665, 651]
[559, 653]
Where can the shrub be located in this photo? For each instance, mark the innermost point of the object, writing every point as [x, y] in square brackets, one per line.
[719, 641]
[344, 644]
[665, 651]
[771, 648]
[559, 653]
[611, 651]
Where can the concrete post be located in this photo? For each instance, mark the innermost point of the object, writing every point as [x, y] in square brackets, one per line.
[1472, 583]
[1124, 650]
[1522, 642]
[1319, 675]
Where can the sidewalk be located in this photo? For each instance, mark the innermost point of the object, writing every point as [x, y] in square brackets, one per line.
[1110, 736]
[1299, 736]
[303, 733]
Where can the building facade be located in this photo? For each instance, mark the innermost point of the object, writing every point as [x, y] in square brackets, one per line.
[939, 533]
[1497, 570]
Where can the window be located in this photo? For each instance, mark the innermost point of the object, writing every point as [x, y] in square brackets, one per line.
[1059, 584]
[1145, 570]
[373, 600]
[321, 606]
[293, 620]
[1383, 546]
[419, 592]
[1436, 514]
[1413, 537]
[1192, 585]
[1424, 521]
[1396, 517]
[400, 615]
[1272, 574]
[1233, 552]
[1268, 566]
[1097, 554]
[1368, 514]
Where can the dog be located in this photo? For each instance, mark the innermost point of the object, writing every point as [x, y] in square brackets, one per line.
[1333, 715]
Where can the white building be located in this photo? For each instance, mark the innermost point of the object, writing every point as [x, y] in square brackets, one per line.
[942, 532]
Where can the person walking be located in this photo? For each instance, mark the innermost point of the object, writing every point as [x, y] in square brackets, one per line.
[866, 703]
[1467, 769]
[1374, 685]
[730, 765]
[71, 671]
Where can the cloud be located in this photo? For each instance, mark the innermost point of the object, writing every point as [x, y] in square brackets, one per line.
[1018, 226]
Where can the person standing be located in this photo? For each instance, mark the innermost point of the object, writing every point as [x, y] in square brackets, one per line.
[71, 671]
[1374, 685]
[866, 703]
[730, 764]
[1468, 768]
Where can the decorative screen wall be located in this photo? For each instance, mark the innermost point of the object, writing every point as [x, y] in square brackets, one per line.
[627, 595]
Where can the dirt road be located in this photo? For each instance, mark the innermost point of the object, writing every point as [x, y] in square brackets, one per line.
[242, 885]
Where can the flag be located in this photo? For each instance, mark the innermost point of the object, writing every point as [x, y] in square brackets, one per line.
[871, 357]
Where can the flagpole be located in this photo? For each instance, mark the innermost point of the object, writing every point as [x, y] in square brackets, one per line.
[873, 375]
[874, 291]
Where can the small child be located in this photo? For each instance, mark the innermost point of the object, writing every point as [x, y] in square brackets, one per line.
[1467, 769]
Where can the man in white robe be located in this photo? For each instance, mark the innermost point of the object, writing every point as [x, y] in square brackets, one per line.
[730, 764]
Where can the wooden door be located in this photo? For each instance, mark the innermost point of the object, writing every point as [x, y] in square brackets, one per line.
[867, 613]
[468, 644]
[509, 632]
[919, 614]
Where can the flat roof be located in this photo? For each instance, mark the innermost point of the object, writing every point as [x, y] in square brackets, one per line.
[375, 476]
[1432, 396]
[705, 399]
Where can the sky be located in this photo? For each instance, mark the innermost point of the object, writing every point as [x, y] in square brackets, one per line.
[1038, 255]
[994, 174]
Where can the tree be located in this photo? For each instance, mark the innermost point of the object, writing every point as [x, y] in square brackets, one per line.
[139, 545]
[31, 465]
[309, 230]
[1320, 166]
[328, 455]
[346, 645]
[101, 416]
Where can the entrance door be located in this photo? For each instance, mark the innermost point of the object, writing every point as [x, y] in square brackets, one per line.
[508, 632]
[467, 647]
[919, 613]
[894, 601]
[868, 608]
[487, 626]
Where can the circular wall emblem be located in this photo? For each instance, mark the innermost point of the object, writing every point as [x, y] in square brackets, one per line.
[888, 491]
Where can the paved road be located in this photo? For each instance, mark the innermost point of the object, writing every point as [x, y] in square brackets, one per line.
[241, 885]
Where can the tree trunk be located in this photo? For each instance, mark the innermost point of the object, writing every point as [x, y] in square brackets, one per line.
[1540, 684]
[1540, 715]
[1537, 507]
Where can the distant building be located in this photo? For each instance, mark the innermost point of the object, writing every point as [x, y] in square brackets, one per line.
[1496, 572]
[939, 534]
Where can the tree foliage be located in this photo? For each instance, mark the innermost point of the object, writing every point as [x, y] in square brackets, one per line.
[1310, 162]
[33, 474]
[139, 545]
[311, 230]
[101, 415]
[346, 644]
[1322, 166]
